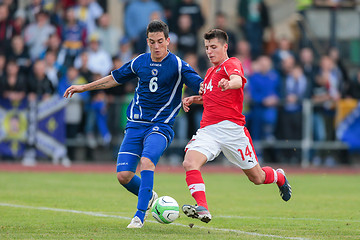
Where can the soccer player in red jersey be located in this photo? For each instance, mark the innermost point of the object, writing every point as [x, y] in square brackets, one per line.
[222, 128]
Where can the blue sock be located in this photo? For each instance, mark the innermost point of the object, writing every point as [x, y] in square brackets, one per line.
[145, 193]
[134, 185]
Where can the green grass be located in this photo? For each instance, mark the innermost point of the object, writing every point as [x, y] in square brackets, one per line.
[322, 207]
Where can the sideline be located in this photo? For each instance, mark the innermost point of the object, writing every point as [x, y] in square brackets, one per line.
[95, 214]
[163, 168]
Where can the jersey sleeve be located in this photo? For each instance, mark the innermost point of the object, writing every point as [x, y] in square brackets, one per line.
[234, 67]
[191, 78]
[124, 73]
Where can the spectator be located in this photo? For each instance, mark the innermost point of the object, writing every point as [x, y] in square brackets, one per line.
[74, 37]
[137, 15]
[12, 6]
[264, 87]
[37, 34]
[307, 62]
[282, 52]
[187, 38]
[97, 118]
[19, 52]
[52, 68]
[192, 9]
[297, 88]
[140, 44]
[20, 22]
[325, 94]
[99, 61]
[173, 45]
[13, 83]
[88, 11]
[83, 68]
[39, 85]
[32, 8]
[7, 30]
[109, 36]
[125, 53]
[243, 53]
[74, 107]
[253, 19]
[340, 70]
[221, 23]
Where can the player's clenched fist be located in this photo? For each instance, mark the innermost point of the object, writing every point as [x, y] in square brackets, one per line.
[73, 89]
[224, 84]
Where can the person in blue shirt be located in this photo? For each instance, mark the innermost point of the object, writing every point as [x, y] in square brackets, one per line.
[151, 113]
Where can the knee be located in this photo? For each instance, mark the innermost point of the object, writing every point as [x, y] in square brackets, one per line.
[147, 164]
[188, 164]
[124, 177]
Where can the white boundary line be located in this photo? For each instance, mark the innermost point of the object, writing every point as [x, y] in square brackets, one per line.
[127, 218]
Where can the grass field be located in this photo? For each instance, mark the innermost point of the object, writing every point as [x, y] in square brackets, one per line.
[94, 206]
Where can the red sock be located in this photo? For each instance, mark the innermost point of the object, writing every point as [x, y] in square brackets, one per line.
[271, 176]
[196, 186]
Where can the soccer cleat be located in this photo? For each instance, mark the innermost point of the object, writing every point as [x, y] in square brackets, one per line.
[198, 212]
[285, 190]
[135, 223]
[151, 202]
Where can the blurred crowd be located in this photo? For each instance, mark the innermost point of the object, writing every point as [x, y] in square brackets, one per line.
[49, 45]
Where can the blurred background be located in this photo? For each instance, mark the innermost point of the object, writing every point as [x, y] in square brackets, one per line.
[301, 60]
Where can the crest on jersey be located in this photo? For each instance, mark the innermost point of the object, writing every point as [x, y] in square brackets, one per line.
[218, 69]
[154, 72]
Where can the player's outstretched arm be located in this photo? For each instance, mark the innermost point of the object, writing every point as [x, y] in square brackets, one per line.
[235, 82]
[190, 100]
[102, 83]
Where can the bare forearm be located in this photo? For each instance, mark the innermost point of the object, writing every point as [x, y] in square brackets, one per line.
[102, 83]
[235, 82]
[197, 99]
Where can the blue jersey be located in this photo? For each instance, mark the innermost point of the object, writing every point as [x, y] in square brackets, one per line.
[157, 97]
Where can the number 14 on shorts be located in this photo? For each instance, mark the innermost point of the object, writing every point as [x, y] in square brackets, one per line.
[248, 153]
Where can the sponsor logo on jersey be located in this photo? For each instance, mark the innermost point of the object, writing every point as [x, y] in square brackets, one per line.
[155, 64]
[154, 72]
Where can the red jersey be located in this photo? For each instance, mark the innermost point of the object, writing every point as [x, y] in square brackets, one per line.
[223, 105]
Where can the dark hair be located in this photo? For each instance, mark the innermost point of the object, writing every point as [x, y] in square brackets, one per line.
[216, 33]
[158, 26]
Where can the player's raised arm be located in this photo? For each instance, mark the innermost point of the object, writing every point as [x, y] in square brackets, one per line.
[102, 83]
[235, 82]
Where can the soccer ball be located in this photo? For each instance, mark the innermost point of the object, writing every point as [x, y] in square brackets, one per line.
[165, 210]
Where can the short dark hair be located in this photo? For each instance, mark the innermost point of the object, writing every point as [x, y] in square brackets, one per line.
[158, 26]
[216, 33]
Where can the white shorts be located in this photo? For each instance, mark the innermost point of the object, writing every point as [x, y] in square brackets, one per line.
[233, 140]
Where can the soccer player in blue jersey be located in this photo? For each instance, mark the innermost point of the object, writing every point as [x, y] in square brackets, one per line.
[150, 114]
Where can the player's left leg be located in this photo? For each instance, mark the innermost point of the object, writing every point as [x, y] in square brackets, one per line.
[267, 175]
[240, 151]
[154, 146]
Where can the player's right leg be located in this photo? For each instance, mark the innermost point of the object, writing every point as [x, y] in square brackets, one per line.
[154, 146]
[192, 164]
